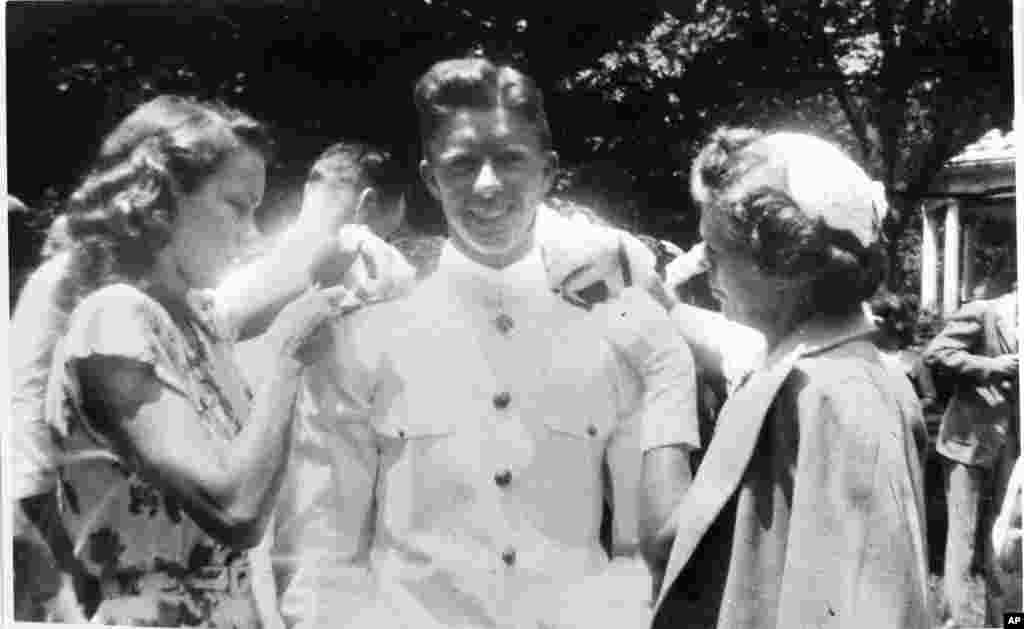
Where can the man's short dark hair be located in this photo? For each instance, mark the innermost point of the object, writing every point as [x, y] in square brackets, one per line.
[362, 165]
[477, 83]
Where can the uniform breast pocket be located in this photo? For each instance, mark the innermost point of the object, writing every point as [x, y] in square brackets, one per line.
[415, 430]
[578, 433]
[425, 471]
[572, 451]
[579, 408]
[407, 409]
[419, 430]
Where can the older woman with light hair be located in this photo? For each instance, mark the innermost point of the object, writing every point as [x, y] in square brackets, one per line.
[807, 510]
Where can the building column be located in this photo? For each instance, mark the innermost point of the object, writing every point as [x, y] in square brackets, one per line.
[967, 263]
[951, 259]
[929, 260]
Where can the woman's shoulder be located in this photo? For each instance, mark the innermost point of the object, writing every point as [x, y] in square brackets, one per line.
[842, 373]
[117, 316]
[117, 299]
[853, 382]
[122, 322]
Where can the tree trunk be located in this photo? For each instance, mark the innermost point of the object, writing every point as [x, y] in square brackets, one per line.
[894, 230]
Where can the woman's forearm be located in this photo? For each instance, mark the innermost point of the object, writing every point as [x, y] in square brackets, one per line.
[717, 343]
[252, 296]
[227, 487]
[258, 455]
[701, 329]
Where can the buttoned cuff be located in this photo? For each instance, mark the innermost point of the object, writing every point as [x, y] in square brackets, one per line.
[669, 403]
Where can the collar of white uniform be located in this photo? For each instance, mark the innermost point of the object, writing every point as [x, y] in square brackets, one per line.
[524, 279]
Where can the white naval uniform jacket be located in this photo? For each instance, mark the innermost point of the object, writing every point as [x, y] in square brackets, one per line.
[451, 473]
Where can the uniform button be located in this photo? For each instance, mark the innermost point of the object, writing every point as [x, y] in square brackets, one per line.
[509, 556]
[504, 323]
[592, 430]
[503, 478]
[501, 400]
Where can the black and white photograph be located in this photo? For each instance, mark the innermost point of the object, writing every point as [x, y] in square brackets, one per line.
[455, 314]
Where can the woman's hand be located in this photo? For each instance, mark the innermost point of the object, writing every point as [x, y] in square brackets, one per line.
[594, 264]
[365, 264]
[297, 330]
[334, 261]
[594, 268]
[330, 204]
[685, 267]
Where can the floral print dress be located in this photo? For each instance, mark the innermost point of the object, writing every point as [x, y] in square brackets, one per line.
[155, 566]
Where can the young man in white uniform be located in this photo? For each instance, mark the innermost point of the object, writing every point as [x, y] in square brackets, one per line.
[460, 442]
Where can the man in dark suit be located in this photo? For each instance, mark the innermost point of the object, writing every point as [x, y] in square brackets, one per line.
[979, 436]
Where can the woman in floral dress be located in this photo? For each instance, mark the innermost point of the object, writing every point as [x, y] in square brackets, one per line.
[163, 465]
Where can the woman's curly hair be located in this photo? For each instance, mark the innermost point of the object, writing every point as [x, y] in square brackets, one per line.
[746, 183]
[122, 214]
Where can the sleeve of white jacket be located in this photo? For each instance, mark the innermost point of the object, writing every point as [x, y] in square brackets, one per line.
[640, 329]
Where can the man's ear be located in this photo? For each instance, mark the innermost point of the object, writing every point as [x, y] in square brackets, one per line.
[430, 179]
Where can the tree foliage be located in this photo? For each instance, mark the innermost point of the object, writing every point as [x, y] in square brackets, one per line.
[903, 84]
[632, 88]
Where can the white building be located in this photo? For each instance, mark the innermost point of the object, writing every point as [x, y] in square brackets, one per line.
[979, 182]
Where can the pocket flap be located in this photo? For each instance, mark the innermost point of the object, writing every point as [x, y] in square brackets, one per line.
[580, 426]
[416, 428]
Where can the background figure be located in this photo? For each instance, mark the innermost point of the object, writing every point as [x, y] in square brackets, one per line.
[375, 173]
[896, 318]
[38, 320]
[979, 435]
[365, 188]
[390, 186]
